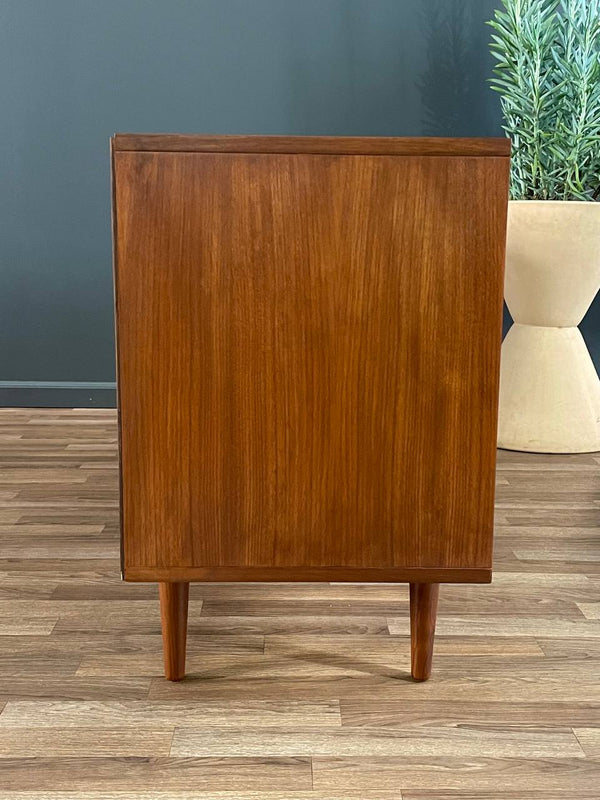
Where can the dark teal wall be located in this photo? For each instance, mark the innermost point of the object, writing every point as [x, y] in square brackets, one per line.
[74, 71]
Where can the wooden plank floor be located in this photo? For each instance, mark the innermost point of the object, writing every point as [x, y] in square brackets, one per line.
[295, 692]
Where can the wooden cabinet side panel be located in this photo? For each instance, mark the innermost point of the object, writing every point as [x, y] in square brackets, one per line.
[154, 313]
[308, 350]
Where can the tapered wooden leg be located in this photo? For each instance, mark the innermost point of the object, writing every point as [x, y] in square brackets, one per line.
[423, 610]
[173, 615]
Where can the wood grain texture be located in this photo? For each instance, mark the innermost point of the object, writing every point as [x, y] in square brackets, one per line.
[470, 714]
[69, 742]
[308, 362]
[423, 614]
[249, 794]
[174, 618]
[361, 743]
[78, 774]
[218, 795]
[589, 739]
[521, 794]
[332, 145]
[439, 773]
[286, 667]
[266, 574]
[128, 714]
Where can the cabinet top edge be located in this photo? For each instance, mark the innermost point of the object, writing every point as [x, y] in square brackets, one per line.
[324, 145]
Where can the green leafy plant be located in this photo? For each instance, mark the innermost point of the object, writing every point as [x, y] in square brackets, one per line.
[548, 75]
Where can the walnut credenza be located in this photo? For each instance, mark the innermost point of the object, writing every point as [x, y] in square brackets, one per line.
[308, 343]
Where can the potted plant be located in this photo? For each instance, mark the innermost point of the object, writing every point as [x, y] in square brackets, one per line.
[548, 75]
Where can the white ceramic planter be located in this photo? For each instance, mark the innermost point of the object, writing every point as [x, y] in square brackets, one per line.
[549, 389]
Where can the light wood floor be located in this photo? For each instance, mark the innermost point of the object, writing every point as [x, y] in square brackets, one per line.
[294, 691]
